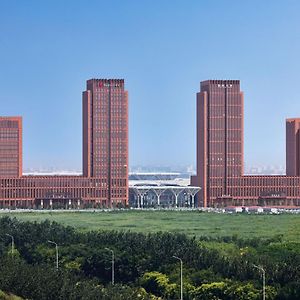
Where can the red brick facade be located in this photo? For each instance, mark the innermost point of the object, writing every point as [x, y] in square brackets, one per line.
[293, 147]
[220, 153]
[10, 147]
[105, 157]
[59, 191]
[105, 135]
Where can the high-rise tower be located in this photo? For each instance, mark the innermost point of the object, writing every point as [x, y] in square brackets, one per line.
[105, 136]
[220, 118]
[293, 147]
[10, 147]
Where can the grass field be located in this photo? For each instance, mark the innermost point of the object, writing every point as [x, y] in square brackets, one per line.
[189, 222]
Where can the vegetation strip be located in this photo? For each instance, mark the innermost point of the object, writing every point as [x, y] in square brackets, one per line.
[144, 264]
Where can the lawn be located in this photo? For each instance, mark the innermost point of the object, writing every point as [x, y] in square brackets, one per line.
[189, 222]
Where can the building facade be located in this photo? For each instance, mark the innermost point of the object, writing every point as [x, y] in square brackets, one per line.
[162, 189]
[54, 192]
[105, 135]
[104, 182]
[10, 147]
[220, 154]
[293, 147]
[220, 122]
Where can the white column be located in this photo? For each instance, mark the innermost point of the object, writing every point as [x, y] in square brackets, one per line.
[42, 203]
[138, 201]
[50, 203]
[176, 193]
[193, 201]
[176, 200]
[158, 193]
[193, 192]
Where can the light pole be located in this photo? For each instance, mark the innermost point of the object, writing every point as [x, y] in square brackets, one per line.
[181, 281]
[112, 265]
[260, 268]
[56, 249]
[12, 243]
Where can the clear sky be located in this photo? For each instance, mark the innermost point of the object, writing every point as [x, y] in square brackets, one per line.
[163, 49]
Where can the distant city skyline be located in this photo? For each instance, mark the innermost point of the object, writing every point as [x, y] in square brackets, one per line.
[188, 169]
[163, 51]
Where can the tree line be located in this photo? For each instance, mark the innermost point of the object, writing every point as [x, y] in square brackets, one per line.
[144, 266]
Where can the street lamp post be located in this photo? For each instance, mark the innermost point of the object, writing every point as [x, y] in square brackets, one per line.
[260, 268]
[56, 249]
[181, 281]
[12, 243]
[112, 265]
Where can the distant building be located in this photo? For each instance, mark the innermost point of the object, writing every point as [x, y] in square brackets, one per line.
[156, 176]
[220, 137]
[105, 157]
[10, 147]
[161, 189]
[293, 147]
[105, 136]
[220, 155]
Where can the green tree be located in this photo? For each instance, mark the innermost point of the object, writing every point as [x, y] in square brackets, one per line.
[159, 285]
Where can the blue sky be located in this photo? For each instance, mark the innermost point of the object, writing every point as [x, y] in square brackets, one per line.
[163, 49]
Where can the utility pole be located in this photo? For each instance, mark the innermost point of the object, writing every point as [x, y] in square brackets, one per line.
[181, 279]
[12, 244]
[260, 268]
[56, 250]
[112, 266]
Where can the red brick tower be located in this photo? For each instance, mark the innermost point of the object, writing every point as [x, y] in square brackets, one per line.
[10, 147]
[220, 153]
[105, 136]
[293, 147]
